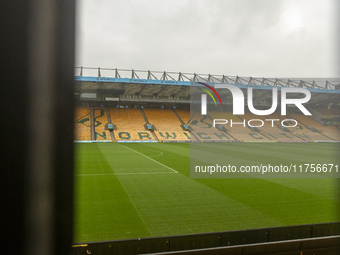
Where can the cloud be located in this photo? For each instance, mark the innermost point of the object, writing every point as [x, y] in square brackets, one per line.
[250, 37]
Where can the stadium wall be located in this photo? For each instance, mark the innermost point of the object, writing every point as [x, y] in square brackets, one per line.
[303, 239]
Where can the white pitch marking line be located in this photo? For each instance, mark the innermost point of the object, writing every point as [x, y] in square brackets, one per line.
[125, 173]
[151, 159]
[157, 155]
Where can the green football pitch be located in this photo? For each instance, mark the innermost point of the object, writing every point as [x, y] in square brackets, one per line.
[137, 190]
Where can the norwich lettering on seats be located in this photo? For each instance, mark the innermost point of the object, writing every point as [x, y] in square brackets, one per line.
[102, 135]
[144, 135]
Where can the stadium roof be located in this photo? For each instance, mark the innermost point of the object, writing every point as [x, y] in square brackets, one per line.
[155, 86]
[179, 78]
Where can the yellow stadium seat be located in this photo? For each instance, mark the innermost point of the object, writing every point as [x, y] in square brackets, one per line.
[163, 119]
[82, 123]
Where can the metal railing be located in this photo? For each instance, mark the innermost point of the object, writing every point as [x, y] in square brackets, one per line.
[332, 83]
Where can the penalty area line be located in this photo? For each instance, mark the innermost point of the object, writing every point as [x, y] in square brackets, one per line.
[150, 159]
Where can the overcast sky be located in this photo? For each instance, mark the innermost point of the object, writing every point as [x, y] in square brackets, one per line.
[259, 38]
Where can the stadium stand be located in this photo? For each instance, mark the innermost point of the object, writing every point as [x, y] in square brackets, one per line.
[302, 131]
[163, 119]
[100, 122]
[336, 111]
[170, 123]
[167, 125]
[202, 127]
[127, 119]
[132, 135]
[184, 115]
[239, 132]
[130, 125]
[224, 115]
[173, 135]
[82, 123]
[271, 130]
[315, 130]
[325, 111]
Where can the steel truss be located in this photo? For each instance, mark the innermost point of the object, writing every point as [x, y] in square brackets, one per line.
[329, 84]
